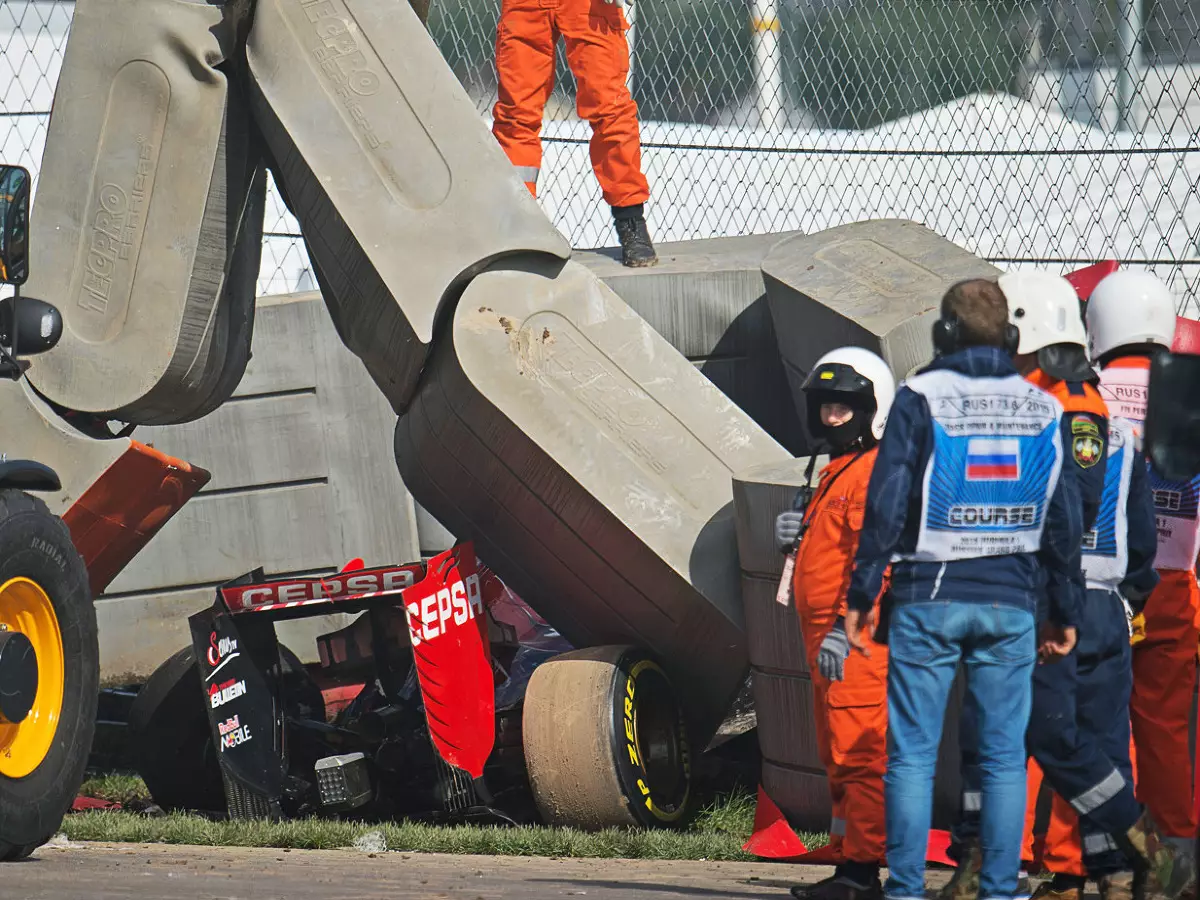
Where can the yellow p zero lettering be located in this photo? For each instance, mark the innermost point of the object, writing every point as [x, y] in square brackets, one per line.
[642, 787]
[630, 741]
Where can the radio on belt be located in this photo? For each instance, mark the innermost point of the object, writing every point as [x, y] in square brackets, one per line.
[343, 781]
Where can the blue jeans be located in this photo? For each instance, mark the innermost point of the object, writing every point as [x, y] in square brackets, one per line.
[998, 647]
[1079, 734]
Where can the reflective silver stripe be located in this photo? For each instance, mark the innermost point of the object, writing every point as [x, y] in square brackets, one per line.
[1098, 843]
[837, 826]
[972, 801]
[528, 173]
[1097, 796]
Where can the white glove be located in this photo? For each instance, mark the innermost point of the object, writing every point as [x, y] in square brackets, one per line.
[835, 650]
[621, 3]
[788, 525]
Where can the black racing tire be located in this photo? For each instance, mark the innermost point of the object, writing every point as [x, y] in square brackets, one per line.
[170, 740]
[35, 544]
[606, 741]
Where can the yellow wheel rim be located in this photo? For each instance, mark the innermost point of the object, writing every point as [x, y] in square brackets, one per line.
[24, 607]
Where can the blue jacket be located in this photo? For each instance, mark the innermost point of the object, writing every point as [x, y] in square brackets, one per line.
[1142, 537]
[892, 521]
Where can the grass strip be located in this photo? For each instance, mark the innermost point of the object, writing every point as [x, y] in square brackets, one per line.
[324, 834]
[717, 833]
[116, 787]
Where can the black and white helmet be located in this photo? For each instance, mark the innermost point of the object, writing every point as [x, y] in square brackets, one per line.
[858, 378]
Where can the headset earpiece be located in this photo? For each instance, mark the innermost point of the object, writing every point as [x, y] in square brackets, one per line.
[1012, 339]
[945, 336]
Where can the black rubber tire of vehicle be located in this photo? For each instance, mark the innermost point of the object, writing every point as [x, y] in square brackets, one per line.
[170, 740]
[606, 741]
[37, 545]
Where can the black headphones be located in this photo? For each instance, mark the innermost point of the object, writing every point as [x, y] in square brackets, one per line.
[947, 334]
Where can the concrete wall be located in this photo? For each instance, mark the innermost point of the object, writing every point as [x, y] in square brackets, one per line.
[303, 480]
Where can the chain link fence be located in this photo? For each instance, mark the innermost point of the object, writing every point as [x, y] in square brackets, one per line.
[1032, 132]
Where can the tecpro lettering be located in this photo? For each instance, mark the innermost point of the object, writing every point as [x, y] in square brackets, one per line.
[114, 225]
[342, 61]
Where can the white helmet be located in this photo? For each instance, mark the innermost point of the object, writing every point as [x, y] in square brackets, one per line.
[859, 374]
[1129, 307]
[1044, 307]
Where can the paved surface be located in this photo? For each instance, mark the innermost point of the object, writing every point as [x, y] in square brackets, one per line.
[160, 872]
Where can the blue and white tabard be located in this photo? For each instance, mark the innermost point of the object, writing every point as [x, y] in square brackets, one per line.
[996, 457]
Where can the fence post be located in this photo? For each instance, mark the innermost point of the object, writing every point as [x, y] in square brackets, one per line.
[768, 73]
[1129, 46]
[631, 17]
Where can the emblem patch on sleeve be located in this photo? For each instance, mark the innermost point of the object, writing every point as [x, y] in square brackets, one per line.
[1086, 444]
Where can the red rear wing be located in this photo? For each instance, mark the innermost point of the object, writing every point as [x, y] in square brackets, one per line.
[344, 587]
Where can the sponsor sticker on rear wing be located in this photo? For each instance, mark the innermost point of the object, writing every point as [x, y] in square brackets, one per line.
[344, 587]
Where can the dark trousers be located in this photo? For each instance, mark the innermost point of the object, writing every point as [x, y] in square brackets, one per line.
[1079, 734]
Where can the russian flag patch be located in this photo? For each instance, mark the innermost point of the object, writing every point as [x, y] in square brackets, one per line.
[992, 459]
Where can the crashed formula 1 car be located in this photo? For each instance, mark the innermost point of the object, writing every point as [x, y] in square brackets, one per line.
[447, 698]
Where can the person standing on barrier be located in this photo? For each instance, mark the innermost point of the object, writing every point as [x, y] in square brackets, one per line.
[1051, 354]
[848, 394]
[1131, 317]
[968, 504]
[598, 55]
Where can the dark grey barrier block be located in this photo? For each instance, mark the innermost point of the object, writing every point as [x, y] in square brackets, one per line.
[873, 284]
[148, 217]
[708, 299]
[400, 189]
[593, 465]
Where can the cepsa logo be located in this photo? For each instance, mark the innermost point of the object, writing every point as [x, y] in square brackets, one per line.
[330, 588]
[460, 601]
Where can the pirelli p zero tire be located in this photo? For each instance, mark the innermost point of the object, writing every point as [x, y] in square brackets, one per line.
[170, 740]
[46, 599]
[605, 741]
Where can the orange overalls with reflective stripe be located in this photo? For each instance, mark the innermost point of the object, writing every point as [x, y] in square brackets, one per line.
[851, 715]
[1164, 662]
[598, 55]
